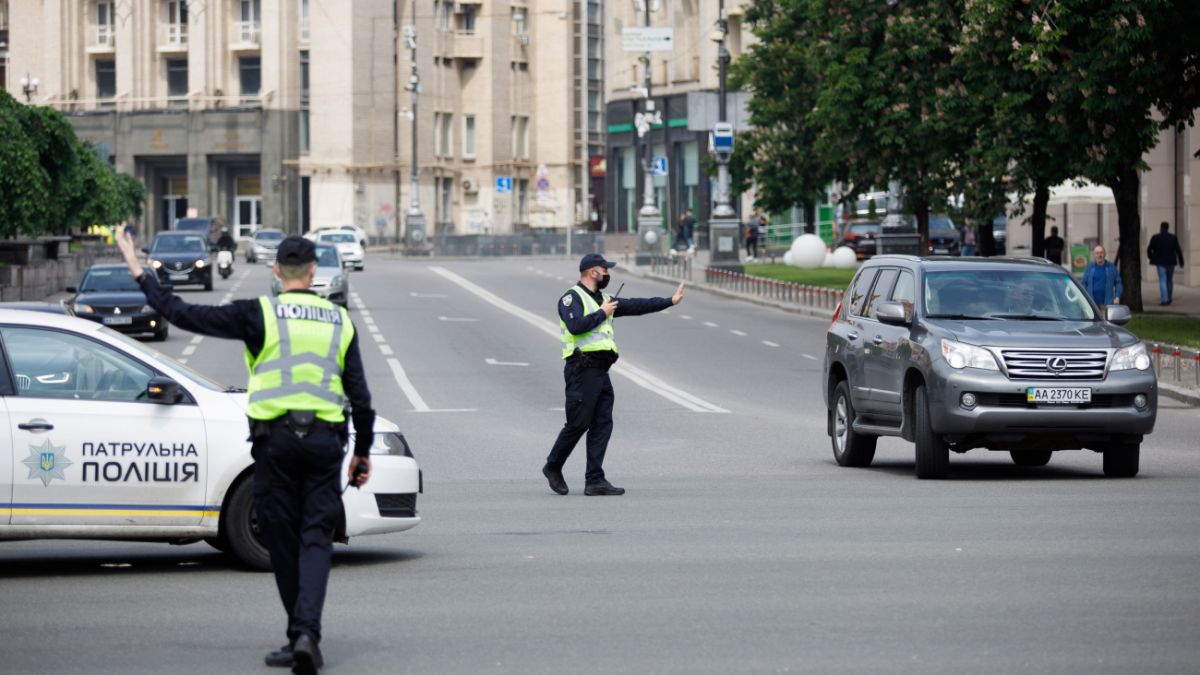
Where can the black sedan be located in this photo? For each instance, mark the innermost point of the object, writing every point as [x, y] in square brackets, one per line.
[109, 295]
[944, 237]
[181, 258]
[860, 236]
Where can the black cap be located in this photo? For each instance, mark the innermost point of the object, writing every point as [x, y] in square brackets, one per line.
[594, 260]
[295, 250]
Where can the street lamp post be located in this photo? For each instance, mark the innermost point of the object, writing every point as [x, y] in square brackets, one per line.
[723, 225]
[29, 86]
[414, 220]
[649, 220]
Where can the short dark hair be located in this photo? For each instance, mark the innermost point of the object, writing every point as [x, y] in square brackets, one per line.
[1053, 229]
[1164, 227]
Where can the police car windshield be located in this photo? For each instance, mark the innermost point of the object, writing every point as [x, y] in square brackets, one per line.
[156, 356]
[109, 281]
[339, 238]
[1009, 294]
[178, 244]
[327, 257]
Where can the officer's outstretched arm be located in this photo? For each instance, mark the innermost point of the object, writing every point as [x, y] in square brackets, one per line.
[129, 253]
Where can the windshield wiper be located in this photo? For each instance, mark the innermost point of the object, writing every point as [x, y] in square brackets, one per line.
[1029, 317]
[960, 317]
[235, 390]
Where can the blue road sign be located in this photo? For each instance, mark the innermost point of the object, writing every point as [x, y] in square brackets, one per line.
[658, 166]
[503, 183]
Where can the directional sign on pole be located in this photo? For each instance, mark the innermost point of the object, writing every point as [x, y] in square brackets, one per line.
[503, 183]
[658, 166]
[647, 39]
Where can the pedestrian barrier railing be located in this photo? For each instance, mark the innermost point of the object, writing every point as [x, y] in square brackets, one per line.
[814, 297]
[674, 266]
[1176, 365]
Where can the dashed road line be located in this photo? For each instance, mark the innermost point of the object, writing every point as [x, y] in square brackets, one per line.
[738, 332]
[711, 324]
[769, 343]
[387, 351]
[493, 362]
[457, 319]
[810, 357]
[686, 317]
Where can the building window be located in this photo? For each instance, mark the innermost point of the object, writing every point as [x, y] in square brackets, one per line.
[465, 20]
[595, 14]
[469, 136]
[177, 78]
[445, 206]
[105, 26]
[106, 79]
[521, 203]
[304, 77]
[520, 21]
[443, 10]
[177, 20]
[443, 126]
[520, 137]
[304, 20]
[304, 137]
[250, 16]
[250, 73]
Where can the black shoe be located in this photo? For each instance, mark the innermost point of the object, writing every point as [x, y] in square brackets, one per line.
[280, 658]
[306, 656]
[602, 488]
[556, 480]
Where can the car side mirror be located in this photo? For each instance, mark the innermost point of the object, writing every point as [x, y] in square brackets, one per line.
[347, 263]
[891, 312]
[146, 251]
[1117, 314]
[163, 390]
[72, 289]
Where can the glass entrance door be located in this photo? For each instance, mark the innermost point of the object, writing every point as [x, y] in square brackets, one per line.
[174, 202]
[247, 205]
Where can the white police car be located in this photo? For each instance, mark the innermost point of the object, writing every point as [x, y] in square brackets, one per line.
[110, 439]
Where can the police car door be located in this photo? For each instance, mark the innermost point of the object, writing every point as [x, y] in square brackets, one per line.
[88, 448]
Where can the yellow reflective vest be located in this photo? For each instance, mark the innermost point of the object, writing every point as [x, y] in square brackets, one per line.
[303, 354]
[598, 339]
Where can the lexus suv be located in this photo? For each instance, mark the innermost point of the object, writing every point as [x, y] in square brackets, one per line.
[1008, 354]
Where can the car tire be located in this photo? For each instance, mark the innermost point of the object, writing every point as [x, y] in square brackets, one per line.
[218, 543]
[1031, 457]
[932, 452]
[241, 529]
[359, 268]
[1122, 461]
[161, 334]
[849, 447]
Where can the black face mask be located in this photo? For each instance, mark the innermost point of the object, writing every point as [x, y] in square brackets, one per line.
[602, 282]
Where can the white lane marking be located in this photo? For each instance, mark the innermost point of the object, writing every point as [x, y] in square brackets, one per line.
[561, 278]
[444, 410]
[182, 360]
[387, 351]
[640, 377]
[189, 350]
[711, 324]
[197, 339]
[407, 387]
[686, 317]
[493, 362]
[368, 318]
[427, 295]
[738, 332]
[379, 337]
[457, 319]
[665, 311]
[810, 357]
[373, 328]
[363, 313]
[769, 343]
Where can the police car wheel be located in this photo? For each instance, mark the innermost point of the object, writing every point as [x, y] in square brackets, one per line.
[218, 543]
[241, 529]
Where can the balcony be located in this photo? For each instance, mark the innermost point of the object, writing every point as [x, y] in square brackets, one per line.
[172, 38]
[246, 36]
[467, 46]
[104, 39]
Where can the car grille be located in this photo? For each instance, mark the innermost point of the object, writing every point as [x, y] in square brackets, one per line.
[110, 309]
[1019, 401]
[1036, 364]
[402, 505]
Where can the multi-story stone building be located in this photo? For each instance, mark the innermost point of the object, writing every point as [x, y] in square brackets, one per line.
[295, 113]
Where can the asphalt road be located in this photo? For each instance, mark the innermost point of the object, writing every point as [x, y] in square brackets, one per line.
[739, 548]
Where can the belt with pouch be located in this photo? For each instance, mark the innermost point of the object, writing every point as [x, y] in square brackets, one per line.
[300, 422]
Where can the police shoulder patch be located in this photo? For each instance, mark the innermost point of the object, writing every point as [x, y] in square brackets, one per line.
[568, 299]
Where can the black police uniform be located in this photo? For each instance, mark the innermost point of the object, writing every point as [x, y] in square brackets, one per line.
[589, 391]
[296, 478]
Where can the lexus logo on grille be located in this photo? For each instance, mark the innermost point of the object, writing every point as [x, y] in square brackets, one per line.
[1056, 364]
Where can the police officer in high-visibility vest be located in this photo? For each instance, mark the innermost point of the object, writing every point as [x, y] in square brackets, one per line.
[585, 319]
[304, 362]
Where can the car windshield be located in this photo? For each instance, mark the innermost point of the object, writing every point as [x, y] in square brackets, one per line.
[327, 256]
[109, 280]
[155, 356]
[941, 225]
[1005, 294]
[268, 236]
[864, 228]
[338, 237]
[176, 244]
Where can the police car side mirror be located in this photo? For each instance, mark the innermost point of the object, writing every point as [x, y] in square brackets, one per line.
[163, 390]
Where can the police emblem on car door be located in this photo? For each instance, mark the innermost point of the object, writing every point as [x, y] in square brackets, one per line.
[88, 448]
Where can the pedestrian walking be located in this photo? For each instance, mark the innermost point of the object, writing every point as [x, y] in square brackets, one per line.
[1164, 252]
[1101, 279]
[968, 241]
[585, 318]
[751, 236]
[1054, 246]
[304, 361]
[687, 225]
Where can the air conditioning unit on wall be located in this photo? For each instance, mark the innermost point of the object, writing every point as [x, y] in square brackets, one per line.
[469, 185]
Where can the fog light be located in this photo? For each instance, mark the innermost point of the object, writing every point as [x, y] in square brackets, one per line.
[153, 323]
[1139, 401]
[968, 400]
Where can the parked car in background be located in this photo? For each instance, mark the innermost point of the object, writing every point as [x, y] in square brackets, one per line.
[359, 233]
[108, 295]
[1000, 234]
[263, 245]
[944, 237]
[347, 245]
[181, 258]
[331, 281]
[861, 237]
[201, 226]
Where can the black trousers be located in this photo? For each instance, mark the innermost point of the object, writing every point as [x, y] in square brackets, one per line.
[297, 498]
[589, 410]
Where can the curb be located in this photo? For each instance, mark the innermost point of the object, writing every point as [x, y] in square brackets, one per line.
[1189, 396]
[812, 312]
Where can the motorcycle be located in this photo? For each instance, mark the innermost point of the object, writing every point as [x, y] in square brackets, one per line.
[225, 263]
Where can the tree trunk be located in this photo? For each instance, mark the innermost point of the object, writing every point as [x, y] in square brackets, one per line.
[985, 239]
[921, 209]
[1125, 187]
[1041, 197]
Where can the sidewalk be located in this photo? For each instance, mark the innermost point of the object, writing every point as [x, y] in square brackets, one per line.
[1186, 302]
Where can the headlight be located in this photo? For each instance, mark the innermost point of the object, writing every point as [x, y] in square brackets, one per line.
[337, 282]
[146, 309]
[390, 443]
[959, 356]
[1133, 356]
[81, 308]
[155, 263]
[199, 264]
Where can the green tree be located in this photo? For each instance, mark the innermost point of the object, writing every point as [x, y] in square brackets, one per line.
[24, 186]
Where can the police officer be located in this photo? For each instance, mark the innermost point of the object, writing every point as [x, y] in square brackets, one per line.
[302, 352]
[585, 319]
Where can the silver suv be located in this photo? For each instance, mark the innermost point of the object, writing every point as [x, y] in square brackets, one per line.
[997, 353]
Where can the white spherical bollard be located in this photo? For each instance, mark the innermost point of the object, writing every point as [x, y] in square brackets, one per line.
[808, 251]
[787, 257]
[650, 236]
[828, 259]
[844, 258]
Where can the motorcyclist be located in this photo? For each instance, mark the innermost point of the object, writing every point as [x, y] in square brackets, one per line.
[225, 242]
